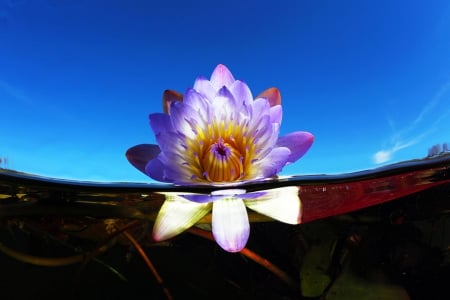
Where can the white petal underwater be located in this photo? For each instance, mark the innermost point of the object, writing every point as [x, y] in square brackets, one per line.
[282, 204]
[176, 215]
[230, 225]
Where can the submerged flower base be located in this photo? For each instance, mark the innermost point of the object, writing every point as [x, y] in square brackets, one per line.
[217, 134]
[230, 225]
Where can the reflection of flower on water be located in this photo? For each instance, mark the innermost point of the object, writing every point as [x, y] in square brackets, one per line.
[217, 134]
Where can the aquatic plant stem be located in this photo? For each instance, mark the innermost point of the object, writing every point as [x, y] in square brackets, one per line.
[108, 243]
[150, 265]
[283, 276]
[270, 266]
[41, 261]
[58, 261]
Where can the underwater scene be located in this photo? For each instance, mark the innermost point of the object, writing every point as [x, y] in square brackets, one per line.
[380, 234]
[224, 150]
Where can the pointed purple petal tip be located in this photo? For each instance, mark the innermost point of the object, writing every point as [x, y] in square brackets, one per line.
[298, 142]
[221, 76]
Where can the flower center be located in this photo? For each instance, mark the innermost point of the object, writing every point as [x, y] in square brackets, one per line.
[222, 163]
[221, 151]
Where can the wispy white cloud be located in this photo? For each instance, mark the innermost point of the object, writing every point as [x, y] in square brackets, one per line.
[386, 155]
[413, 133]
[432, 104]
[382, 156]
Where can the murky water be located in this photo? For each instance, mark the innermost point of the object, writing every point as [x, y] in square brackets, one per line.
[384, 229]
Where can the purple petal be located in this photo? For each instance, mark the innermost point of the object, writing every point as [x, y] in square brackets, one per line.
[260, 124]
[276, 113]
[230, 225]
[204, 87]
[274, 162]
[176, 215]
[282, 204]
[170, 142]
[181, 119]
[215, 195]
[196, 100]
[252, 195]
[167, 169]
[241, 93]
[155, 169]
[298, 142]
[160, 122]
[265, 142]
[201, 198]
[260, 108]
[225, 93]
[140, 155]
[224, 105]
[221, 76]
[174, 174]
[262, 129]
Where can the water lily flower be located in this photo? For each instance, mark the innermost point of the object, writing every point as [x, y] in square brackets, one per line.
[217, 134]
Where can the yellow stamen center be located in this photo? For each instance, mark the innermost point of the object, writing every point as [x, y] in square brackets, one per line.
[222, 163]
[223, 151]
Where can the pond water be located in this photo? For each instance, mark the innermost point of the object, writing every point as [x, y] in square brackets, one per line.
[383, 229]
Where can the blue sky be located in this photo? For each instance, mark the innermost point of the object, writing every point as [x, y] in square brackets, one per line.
[370, 79]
